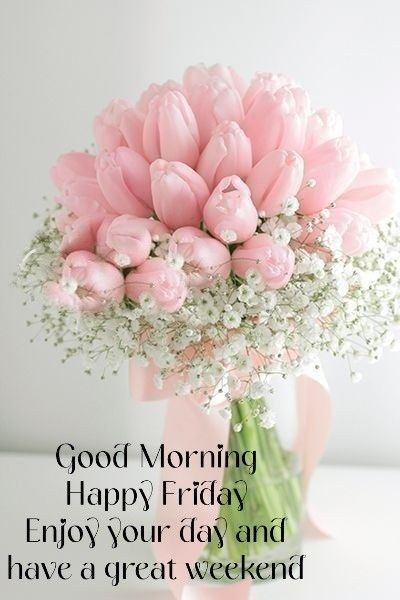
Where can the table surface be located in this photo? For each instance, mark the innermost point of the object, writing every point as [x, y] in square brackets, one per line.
[358, 505]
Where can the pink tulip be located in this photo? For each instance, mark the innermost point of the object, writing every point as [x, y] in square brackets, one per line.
[83, 197]
[274, 179]
[124, 178]
[120, 124]
[214, 102]
[155, 89]
[132, 122]
[87, 283]
[329, 170]
[155, 278]
[179, 193]
[170, 130]
[227, 153]
[274, 262]
[64, 220]
[72, 166]
[156, 229]
[358, 233]
[107, 126]
[83, 207]
[374, 193]
[265, 82]
[229, 213]
[205, 258]
[323, 125]
[277, 120]
[80, 234]
[200, 74]
[124, 241]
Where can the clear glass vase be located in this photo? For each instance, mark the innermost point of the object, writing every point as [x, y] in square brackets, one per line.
[274, 492]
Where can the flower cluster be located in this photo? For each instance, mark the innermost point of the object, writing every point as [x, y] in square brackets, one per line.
[223, 231]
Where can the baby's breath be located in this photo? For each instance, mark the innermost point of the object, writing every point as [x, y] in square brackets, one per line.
[345, 306]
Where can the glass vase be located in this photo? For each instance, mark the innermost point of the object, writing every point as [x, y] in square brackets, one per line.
[274, 492]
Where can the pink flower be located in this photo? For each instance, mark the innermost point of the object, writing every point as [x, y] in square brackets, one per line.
[156, 229]
[124, 241]
[170, 130]
[179, 193]
[124, 178]
[229, 213]
[155, 278]
[274, 179]
[214, 102]
[205, 258]
[72, 166]
[81, 233]
[83, 209]
[274, 262]
[107, 126]
[277, 120]
[64, 220]
[83, 197]
[119, 124]
[323, 125]
[132, 121]
[200, 75]
[227, 153]
[87, 283]
[358, 233]
[329, 170]
[265, 82]
[156, 89]
[374, 193]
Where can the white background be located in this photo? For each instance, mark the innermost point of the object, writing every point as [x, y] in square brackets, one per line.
[61, 62]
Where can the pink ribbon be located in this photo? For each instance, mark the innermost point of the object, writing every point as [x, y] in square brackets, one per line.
[189, 428]
[313, 424]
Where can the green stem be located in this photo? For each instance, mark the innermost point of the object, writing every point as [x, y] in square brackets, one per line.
[274, 490]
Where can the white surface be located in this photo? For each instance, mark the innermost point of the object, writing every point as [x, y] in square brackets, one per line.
[61, 62]
[358, 505]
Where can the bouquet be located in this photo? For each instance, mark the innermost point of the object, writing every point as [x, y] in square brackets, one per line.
[223, 233]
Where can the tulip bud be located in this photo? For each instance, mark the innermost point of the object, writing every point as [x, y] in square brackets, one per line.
[179, 193]
[227, 153]
[72, 166]
[274, 262]
[205, 258]
[107, 126]
[87, 283]
[156, 229]
[213, 102]
[329, 170]
[80, 234]
[374, 193]
[357, 233]
[124, 241]
[229, 213]
[83, 197]
[155, 89]
[170, 130]
[124, 178]
[200, 74]
[274, 179]
[164, 284]
[323, 125]
[277, 120]
[132, 122]
[265, 82]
